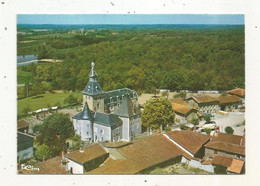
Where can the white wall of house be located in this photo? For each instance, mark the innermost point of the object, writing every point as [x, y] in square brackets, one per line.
[101, 133]
[197, 164]
[125, 128]
[25, 154]
[83, 128]
[76, 167]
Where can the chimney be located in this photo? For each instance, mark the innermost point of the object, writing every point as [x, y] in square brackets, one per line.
[241, 141]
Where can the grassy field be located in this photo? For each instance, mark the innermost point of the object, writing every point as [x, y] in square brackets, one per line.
[24, 77]
[51, 99]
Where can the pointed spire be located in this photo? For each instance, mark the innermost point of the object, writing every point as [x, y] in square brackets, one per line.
[86, 113]
[92, 74]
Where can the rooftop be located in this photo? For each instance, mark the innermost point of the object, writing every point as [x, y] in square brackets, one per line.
[192, 141]
[180, 101]
[126, 109]
[85, 114]
[222, 160]
[204, 99]
[182, 109]
[229, 138]
[226, 147]
[88, 153]
[229, 99]
[22, 124]
[109, 120]
[238, 91]
[51, 166]
[236, 166]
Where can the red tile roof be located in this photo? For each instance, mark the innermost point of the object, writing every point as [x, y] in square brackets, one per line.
[229, 99]
[179, 101]
[236, 166]
[229, 138]
[51, 166]
[222, 160]
[88, 153]
[204, 99]
[192, 141]
[182, 109]
[226, 147]
[238, 91]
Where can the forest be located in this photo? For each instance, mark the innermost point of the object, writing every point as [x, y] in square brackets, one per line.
[143, 57]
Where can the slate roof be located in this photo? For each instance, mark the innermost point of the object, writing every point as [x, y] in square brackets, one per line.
[92, 88]
[236, 166]
[117, 96]
[109, 120]
[192, 141]
[238, 91]
[126, 109]
[50, 166]
[226, 147]
[181, 109]
[89, 153]
[85, 114]
[229, 99]
[24, 141]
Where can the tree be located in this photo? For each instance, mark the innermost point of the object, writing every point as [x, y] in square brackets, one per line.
[219, 169]
[165, 94]
[157, 113]
[54, 131]
[195, 121]
[207, 130]
[70, 100]
[43, 151]
[207, 118]
[36, 89]
[229, 130]
[180, 95]
[183, 127]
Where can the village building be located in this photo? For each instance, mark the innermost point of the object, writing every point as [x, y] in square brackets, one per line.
[24, 146]
[85, 159]
[107, 116]
[183, 113]
[227, 145]
[204, 103]
[241, 93]
[230, 103]
[50, 166]
[23, 126]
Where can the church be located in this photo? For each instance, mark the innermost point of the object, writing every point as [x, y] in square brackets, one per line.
[107, 115]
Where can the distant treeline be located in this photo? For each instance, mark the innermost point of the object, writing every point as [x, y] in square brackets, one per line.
[193, 58]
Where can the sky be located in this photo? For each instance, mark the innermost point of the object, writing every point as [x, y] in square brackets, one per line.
[231, 19]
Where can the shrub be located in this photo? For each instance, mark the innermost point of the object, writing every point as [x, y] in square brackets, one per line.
[167, 129]
[195, 121]
[207, 131]
[229, 130]
[219, 169]
[182, 127]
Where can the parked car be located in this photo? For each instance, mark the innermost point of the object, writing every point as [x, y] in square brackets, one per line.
[210, 126]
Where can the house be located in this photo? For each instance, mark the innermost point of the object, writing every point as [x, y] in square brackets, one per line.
[227, 145]
[192, 142]
[107, 116]
[50, 166]
[239, 92]
[204, 103]
[85, 159]
[183, 113]
[230, 103]
[23, 126]
[24, 146]
[96, 126]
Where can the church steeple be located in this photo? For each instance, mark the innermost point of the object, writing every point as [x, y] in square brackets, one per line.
[93, 87]
[93, 75]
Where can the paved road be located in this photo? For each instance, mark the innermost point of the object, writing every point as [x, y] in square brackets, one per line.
[234, 119]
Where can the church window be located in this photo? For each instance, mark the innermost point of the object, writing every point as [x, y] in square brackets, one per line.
[111, 99]
[95, 129]
[96, 87]
[112, 108]
[117, 130]
[101, 131]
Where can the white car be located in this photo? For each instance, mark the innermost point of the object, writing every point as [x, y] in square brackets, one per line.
[210, 126]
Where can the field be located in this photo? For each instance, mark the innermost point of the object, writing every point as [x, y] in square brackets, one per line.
[24, 77]
[41, 101]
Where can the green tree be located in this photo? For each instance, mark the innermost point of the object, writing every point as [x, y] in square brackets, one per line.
[195, 121]
[207, 131]
[207, 118]
[229, 130]
[70, 100]
[165, 94]
[43, 151]
[36, 89]
[219, 169]
[183, 127]
[157, 113]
